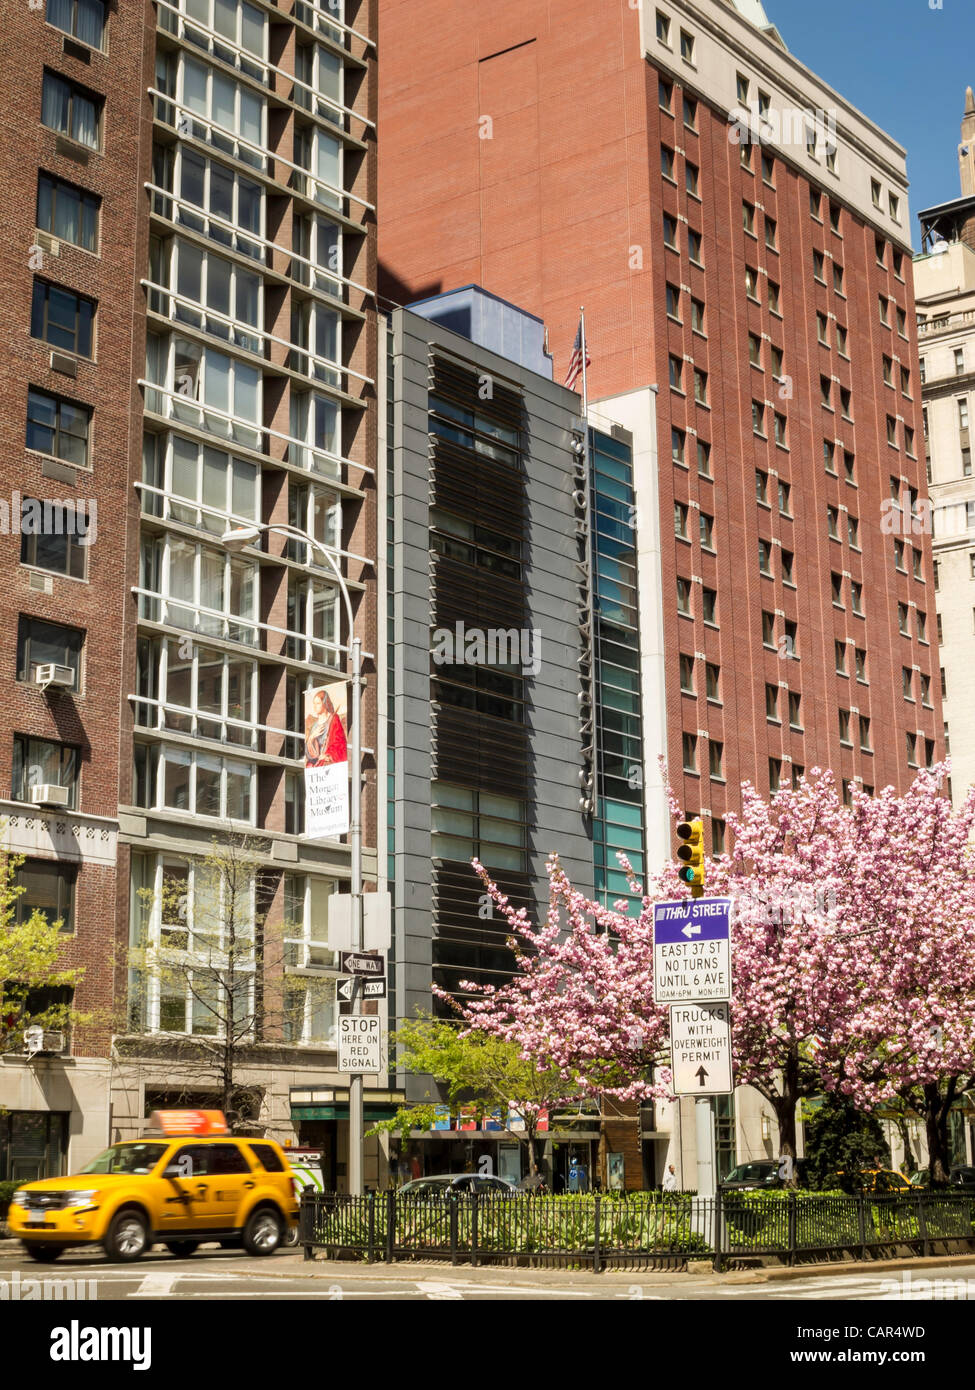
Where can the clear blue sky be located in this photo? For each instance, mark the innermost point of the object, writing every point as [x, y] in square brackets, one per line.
[905, 65]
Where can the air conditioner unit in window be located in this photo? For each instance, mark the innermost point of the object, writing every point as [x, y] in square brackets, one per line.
[54, 1040]
[49, 795]
[51, 674]
[37, 1039]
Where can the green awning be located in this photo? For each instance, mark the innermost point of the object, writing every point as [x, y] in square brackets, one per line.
[340, 1111]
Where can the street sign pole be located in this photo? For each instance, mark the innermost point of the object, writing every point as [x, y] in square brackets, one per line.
[706, 1157]
[356, 1126]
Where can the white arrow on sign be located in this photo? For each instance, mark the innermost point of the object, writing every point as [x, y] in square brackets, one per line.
[692, 929]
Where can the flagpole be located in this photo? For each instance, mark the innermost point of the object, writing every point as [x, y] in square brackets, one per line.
[585, 384]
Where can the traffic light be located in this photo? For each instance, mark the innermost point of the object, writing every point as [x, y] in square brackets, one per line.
[690, 852]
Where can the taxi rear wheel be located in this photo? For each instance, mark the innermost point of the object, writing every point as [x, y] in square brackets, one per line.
[128, 1236]
[182, 1249]
[44, 1254]
[262, 1234]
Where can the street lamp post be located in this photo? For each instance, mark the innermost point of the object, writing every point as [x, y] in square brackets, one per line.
[238, 538]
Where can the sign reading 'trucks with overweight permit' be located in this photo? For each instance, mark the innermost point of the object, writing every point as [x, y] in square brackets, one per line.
[692, 950]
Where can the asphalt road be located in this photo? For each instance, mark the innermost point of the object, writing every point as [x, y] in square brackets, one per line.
[228, 1275]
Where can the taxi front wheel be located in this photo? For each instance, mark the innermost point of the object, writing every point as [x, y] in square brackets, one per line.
[128, 1236]
[262, 1234]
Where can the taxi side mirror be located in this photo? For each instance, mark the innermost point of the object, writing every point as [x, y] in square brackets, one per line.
[173, 1170]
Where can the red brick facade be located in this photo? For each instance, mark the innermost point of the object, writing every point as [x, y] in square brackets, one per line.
[520, 148]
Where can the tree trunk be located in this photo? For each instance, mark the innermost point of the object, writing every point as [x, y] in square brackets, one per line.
[530, 1141]
[785, 1115]
[937, 1107]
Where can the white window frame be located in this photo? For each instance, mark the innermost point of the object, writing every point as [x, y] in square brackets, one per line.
[176, 753]
[193, 511]
[206, 127]
[231, 334]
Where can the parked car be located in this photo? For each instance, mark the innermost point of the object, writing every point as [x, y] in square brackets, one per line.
[440, 1184]
[960, 1176]
[762, 1173]
[189, 1182]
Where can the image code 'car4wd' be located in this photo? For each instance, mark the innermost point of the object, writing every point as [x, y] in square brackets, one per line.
[185, 1182]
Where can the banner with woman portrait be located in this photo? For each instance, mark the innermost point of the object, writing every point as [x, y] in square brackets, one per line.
[326, 762]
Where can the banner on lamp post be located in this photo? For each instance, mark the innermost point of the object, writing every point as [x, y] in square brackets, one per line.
[326, 762]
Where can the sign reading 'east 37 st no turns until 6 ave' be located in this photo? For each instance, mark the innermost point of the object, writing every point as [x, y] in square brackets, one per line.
[692, 950]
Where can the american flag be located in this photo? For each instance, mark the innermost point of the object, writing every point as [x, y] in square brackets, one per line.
[575, 361]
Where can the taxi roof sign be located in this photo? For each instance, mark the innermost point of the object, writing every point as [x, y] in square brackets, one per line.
[198, 1122]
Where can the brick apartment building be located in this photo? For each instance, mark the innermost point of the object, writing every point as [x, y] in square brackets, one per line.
[739, 236]
[190, 333]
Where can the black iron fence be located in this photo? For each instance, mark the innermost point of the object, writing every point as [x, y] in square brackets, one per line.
[598, 1230]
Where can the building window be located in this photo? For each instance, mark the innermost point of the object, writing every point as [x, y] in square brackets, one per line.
[819, 266]
[58, 427]
[849, 465]
[665, 94]
[825, 392]
[667, 162]
[71, 110]
[690, 113]
[856, 595]
[959, 361]
[716, 760]
[663, 28]
[944, 684]
[700, 386]
[911, 740]
[772, 703]
[754, 349]
[901, 319]
[751, 283]
[687, 674]
[306, 909]
[837, 278]
[758, 418]
[670, 232]
[832, 520]
[893, 203]
[875, 193]
[853, 531]
[841, 340]
[694, 246]
[707, 531]
[816, 204]
[845, 398]
[781, 430]
[787, 563]
[62, 318]
[835, 216]
[768, 629]
[746, 156]
[202, 784]
[776, 362]
[864, 734]
[906, 382]
[55, 537]
[774, 774]
[926, 691]
[795, 710]
[922, 625]
[966, 462]
[703, 459]
[963, 413]
[48, 888]
[82, 19]
[916, 558]
[709, 605]
[37, 763]
[677, 445]
[686, 46]
[907, 683]
[712, 674]
[768, 170]
[902, 620]
[684, 597]
[822, 329]
[860, 658]
[40, 643]
[680, 520]
[67, 212]
[748, 218]
[829, 454]
[844, 723]
[784, 494]
[676, 373]
[741, 84]
[888, 371]
[764, 558]
[689, 752]
[839, 650]
[836, 583]
[718, 839]
[673, 302]
[697, 315]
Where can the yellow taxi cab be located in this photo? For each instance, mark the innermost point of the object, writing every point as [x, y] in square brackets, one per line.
[188, 1180]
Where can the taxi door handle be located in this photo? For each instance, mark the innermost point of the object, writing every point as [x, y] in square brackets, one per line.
[249, 1183]
[201, 1187]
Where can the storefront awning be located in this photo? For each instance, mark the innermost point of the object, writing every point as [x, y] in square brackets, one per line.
[373, 1112]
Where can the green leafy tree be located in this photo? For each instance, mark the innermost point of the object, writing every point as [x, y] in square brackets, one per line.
[840, 1139]
[476, 1070]
[35, 987]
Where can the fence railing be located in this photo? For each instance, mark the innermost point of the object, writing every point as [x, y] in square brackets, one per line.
[598, 1230]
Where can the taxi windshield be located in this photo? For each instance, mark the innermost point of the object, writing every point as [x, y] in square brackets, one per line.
[127, 1158]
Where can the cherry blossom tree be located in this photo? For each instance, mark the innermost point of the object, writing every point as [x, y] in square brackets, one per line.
[853, 967]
